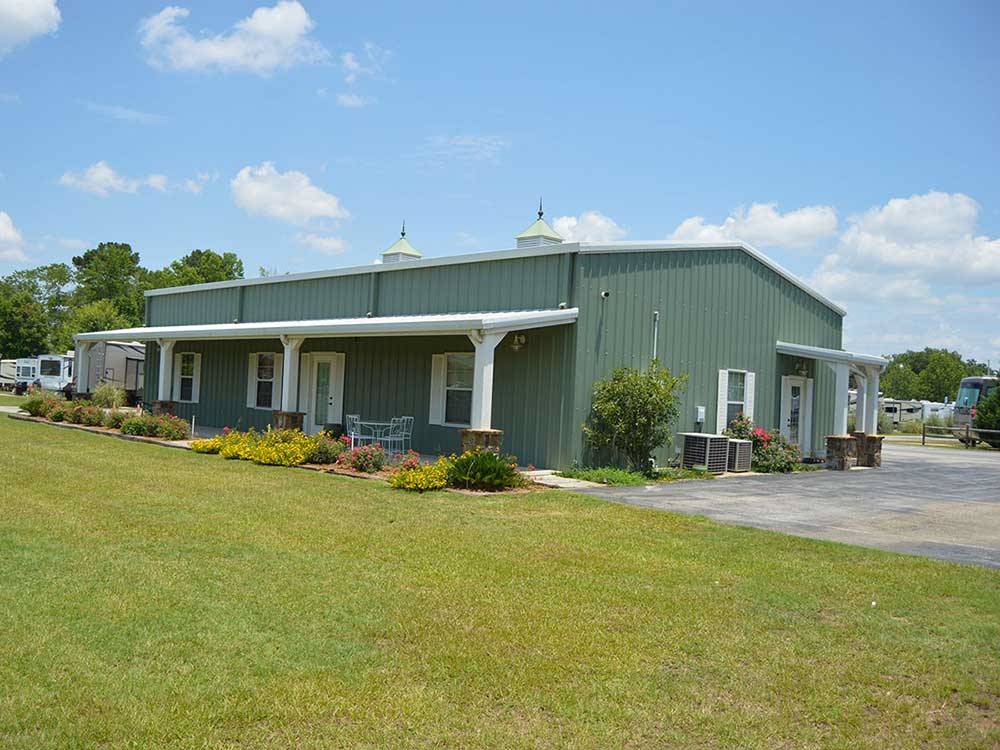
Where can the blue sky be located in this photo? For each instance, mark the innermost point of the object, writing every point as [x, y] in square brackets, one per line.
[857, 144]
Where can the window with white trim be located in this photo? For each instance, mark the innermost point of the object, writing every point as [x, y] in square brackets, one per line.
[264, 380]
[50, 368]
[736, 395]
[451, 388]
[187, 377]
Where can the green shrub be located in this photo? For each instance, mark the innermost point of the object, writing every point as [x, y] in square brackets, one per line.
[368, 459]
[57, 413]
[239, 445]
[913, 427]
[91, 415]
[676, 473]
[606, 475]
[885, 424]
[115, 418]
[74, 411]
[108, 395]
[282, 448]
[164, 426]
[326, 450]
[484, 470]
[138, 424]
[208, 445]
[422, 478]
[632, 413]
[772, 454]
[39, 404]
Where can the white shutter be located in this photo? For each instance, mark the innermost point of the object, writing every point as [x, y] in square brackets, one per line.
[279, 371]
[748, 393]
[196, 384]
[177, 378]
[722, 405]
[252, 380]
[806, 419]
[337, 373]
[439, 374]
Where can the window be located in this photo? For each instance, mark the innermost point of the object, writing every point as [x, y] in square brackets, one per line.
[187, 376]
[25, 372]
[264, 381]
[735, 399]
[451, 389]
[458, 389]
[50, 368]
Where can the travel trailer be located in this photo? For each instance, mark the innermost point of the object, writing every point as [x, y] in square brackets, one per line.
[8, 369]
[118, 362]
[50, 371]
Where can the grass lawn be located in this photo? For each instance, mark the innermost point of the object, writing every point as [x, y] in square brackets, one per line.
[156, 598]
[9, 399]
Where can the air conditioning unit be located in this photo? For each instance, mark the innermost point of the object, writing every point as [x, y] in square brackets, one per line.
[740, 454]
[710, 451]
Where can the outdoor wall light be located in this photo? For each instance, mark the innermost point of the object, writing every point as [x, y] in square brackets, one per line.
[605, 295]
[517, 341]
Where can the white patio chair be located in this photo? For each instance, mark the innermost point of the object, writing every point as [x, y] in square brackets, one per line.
[354, 431]
[392, 439]
[407, 424]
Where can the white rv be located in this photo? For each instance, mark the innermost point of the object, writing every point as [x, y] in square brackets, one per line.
[118, 362]
[50, 371]
[8, 371]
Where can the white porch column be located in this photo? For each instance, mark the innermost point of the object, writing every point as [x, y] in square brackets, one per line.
[871, 421]
[81, 366]
[482, 382]
[860, 412]
[166, 369]
[290, 373]
[842, 373]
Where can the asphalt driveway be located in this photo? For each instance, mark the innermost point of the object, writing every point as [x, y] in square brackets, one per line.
[935, 502]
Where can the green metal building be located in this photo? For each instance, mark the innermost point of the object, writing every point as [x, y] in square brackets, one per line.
[511, 340]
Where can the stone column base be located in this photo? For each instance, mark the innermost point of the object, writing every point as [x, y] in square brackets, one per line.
[164, 407]
[841, 452]
[487, 440]
[869, 449]
[287, 420]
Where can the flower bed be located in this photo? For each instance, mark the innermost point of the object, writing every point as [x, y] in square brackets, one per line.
[137, 423]
[772, 454]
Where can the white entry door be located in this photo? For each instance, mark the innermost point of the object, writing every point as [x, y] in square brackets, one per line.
[796, 411]
[326, 391]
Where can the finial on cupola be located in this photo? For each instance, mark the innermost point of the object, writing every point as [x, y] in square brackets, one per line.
[541, 213]
[402, 232]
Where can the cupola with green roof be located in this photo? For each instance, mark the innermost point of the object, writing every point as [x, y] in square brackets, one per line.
[539, 233]
[401, 249]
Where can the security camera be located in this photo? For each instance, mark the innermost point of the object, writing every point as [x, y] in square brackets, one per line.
[605, 295]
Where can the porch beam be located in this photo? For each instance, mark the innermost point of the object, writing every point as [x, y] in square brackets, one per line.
[842, 373]
[81, 366]
[166, 369]
[290, 372]
[482, 381]
[860, 412]
[872, 383]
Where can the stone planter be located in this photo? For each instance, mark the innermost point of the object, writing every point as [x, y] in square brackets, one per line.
[869, 450]
[487, 440]
[841, 452]
[164, 407]
[287, 420]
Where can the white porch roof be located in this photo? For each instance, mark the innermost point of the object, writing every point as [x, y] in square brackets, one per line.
[424, 325]
[830, 355]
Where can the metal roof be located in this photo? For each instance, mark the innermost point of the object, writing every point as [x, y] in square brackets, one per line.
[540, 228]
[829, 355]
[425, 325]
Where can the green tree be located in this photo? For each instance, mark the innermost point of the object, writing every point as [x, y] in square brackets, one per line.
[111, 271]
[197, 267]
[988, 416]
[49, 286]
[931, 374]
[101, 315]
[24, 326]
[633, 412]
[899, 381]
[940, 378]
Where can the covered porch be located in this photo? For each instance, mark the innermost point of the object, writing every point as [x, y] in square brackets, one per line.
[439, 369]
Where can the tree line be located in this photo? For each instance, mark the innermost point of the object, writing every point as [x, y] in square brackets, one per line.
[931, 374]
[102, 289]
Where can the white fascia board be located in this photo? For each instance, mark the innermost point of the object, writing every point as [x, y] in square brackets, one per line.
[388, 326]
[674, 246]
[451, 260]
[829, 355]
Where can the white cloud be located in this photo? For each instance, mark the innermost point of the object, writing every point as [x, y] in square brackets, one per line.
[125, 114]
[268, 39]
[590, 226]
[326, 244]
[197, 184]
[22, 20]
[353, 101]
[763, 225]
[290, 196]
[465, 147]
[370, 63]
[11, 241]
[100, 178]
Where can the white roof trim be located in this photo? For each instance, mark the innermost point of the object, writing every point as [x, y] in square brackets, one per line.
[424, 325]
[522, 252]
[829, 355]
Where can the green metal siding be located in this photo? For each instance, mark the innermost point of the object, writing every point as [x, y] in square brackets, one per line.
[718, 310]
[208, 306]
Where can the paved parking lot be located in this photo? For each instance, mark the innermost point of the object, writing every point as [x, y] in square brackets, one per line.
[936, 502]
